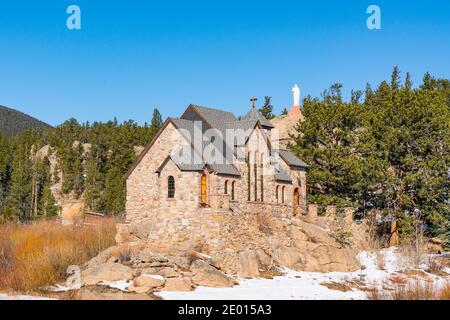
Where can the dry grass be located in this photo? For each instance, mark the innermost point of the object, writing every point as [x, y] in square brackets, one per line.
[435, 266]
[444, 292]
[412, 291]
[270, 273]
[339, 286]
[381, 260]
[38, 254]
[412, 256]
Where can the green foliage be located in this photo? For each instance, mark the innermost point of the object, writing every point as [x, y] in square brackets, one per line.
[284, 112]
[389, 152]
[267, 108]
[91, 162]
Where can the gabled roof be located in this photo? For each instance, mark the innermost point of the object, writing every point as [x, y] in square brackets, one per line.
[181, 166]
[291, 159]
[254, 114]
[214, 118]
[225, 168]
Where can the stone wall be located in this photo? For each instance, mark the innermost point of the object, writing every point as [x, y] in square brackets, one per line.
[143, 185]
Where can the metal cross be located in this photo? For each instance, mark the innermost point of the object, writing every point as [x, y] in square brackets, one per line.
[253, 100]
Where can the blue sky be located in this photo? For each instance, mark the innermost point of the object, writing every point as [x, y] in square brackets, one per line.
[131, 56]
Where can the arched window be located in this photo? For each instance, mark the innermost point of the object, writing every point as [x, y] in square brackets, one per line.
[282, 195]
[276, 193]
[226, 187]
[232, 190]
[171, 187]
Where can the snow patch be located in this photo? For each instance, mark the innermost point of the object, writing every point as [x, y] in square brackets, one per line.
[120, 284]
[22, 297]
[299, 285]
[153, 276]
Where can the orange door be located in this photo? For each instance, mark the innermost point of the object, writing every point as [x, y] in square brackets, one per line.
[203, 190]
[296, 201]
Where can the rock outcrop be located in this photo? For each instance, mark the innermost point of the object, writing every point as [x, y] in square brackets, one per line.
[218, 256]
[106, 272]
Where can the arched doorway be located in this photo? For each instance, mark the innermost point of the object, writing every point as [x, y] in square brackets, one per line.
[296, 200]
[203, 190]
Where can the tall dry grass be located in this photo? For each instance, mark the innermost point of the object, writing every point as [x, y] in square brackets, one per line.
[38, 254]
[411, 291]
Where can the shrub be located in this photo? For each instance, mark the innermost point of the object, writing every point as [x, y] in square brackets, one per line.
[412, 291]
[38, 254]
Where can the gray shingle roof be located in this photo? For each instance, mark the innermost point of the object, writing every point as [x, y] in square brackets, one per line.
[281, 175]
[254, 114]
[291, 159]
[225, 168]
[216, 118]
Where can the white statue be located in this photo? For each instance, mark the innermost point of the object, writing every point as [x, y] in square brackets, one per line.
[296, 94]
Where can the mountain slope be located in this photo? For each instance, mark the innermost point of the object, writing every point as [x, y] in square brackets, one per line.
[13, 122]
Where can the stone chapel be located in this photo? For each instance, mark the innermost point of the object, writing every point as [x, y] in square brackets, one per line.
[208, 159]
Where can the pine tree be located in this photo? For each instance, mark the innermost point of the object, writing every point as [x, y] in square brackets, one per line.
[408, 81]
[18, 204]
[390, 153]
[284, 112]
[266, 109]
[156, 122]
[395, 79]
[5, 169]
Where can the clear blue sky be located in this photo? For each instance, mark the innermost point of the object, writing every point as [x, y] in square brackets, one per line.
[131, 56]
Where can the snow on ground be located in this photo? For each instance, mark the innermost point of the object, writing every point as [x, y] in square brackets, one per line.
[304, 285]
[121, 284]
[292, 284]
[21, 297]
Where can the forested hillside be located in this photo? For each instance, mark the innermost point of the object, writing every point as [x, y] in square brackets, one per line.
[389, 151]
[96, 174]
[386, 149]
[13, 122]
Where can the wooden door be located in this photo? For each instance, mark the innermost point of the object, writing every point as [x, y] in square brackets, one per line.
[295, 200]
[203, 190]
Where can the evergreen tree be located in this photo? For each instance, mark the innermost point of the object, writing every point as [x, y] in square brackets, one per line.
[266, 109]
[18, 204]
[408, 81]
[156, 122]
[284, 112]
[5, 169]
[395, 79]
[390, 153]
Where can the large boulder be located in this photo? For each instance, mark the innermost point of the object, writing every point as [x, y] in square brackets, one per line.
[289, 257]
[248, 264]
[206, 275]
[178, 284]
[106, 293]
[166, 272]
[149, 281]
[106, 272]
[123, 234]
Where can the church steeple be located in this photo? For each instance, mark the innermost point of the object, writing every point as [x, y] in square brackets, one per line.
[254, 114]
